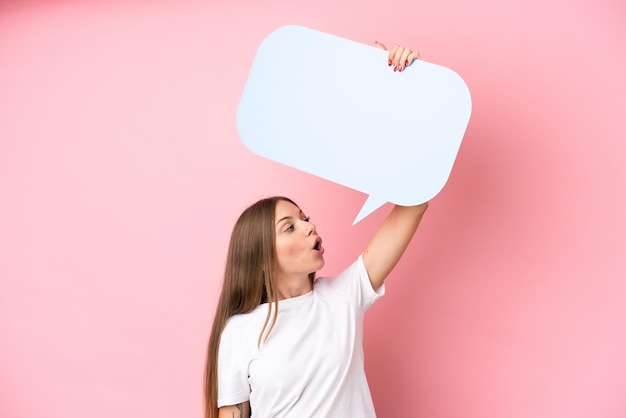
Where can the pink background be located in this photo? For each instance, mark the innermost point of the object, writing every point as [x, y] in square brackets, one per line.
[121, 175]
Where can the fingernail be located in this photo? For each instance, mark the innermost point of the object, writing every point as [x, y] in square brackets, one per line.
[400, 68]
[395, 68]
[406, 63]
[389, 62]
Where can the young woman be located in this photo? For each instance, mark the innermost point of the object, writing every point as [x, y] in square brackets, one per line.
[284, 344]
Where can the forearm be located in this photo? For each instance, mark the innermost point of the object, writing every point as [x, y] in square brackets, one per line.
[390, 241]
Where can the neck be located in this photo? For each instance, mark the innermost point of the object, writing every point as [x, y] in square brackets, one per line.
[293, 287]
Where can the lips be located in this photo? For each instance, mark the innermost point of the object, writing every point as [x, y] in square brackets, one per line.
[318, 245]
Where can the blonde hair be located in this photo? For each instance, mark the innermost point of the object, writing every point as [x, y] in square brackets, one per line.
[249, 280]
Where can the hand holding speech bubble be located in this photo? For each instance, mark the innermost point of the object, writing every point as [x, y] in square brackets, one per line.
[333, 108]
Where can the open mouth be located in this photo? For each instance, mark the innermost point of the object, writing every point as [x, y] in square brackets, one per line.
[318, 244]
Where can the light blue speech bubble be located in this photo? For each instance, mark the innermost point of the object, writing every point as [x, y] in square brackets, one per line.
[333, 108]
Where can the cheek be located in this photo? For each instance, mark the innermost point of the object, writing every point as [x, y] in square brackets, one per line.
[288, 253]
[284, 252]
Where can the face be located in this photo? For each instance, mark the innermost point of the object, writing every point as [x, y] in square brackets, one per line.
[298, 247]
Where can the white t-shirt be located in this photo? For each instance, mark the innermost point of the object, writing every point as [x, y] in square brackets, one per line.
[312, 364]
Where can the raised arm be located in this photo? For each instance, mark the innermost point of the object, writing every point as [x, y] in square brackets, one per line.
[388, 243]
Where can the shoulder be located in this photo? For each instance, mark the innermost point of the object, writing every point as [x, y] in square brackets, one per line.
[244, 327]
[356, 268]
[349, 277]
[353, 283]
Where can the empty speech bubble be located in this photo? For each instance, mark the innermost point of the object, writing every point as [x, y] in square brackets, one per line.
[333, 108]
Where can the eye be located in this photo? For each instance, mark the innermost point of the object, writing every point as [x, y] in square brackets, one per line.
[290, 228]
[307, 219]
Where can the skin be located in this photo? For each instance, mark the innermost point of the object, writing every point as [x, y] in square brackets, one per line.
[241, 410]
[296, 237]
[296, 251]
[400, 57]
[390, 240]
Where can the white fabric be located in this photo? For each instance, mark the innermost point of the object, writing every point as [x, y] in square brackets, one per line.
[312, 364]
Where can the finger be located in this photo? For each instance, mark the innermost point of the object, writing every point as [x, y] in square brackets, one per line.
[379, 45]
[392, 55]
[398, 59]
[415, 55]
[404, 59]
[402, 54]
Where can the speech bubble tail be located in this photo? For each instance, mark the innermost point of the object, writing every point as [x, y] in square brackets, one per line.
[370, 205]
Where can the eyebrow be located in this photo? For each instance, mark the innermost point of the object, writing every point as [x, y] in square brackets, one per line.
[283, 219]
[287, 217]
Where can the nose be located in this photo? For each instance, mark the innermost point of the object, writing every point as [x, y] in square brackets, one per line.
[311, 229]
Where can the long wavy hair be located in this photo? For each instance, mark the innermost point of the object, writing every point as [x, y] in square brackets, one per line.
[249, 280]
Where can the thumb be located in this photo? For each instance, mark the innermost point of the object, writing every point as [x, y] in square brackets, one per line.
[379, 45]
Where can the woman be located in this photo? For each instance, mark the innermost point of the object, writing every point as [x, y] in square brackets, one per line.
[282, 343]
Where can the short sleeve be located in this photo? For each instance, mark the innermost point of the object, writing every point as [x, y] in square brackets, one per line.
[367, 293]
[354, 283]
[232, 369]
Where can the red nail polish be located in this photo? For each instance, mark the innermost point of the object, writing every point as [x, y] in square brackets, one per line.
[395, 68]
[390, 63]
[406, 63]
